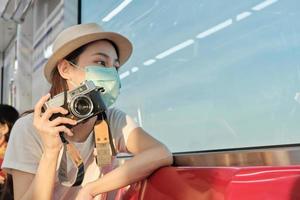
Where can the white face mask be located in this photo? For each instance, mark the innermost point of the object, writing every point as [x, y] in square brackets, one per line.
[106, 78]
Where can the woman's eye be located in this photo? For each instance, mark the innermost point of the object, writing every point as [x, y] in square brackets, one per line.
[101, 63]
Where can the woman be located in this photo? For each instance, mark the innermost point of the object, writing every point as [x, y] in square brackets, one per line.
[81, 52]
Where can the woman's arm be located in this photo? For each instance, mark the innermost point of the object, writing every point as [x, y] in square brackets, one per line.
[44, 180]
[29, 186]
[22, 184]
[149, 153]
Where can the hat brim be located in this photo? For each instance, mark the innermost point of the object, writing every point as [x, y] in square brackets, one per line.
[123, 44]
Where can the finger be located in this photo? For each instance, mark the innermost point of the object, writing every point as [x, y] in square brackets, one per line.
[63, 129]
[39, 105]
[62, 120]
[50, 111]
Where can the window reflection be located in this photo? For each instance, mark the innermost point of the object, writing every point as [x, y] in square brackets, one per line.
[209, 74]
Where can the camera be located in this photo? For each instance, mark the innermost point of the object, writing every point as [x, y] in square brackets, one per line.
[82, 102]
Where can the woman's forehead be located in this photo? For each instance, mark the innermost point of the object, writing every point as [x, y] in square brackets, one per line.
[101, 46]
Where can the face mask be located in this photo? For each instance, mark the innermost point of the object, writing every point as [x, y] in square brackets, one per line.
[106, 78]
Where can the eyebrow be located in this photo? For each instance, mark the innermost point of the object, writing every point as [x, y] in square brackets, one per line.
[105, 55]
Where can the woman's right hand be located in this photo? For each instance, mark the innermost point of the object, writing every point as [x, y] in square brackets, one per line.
[49, 129]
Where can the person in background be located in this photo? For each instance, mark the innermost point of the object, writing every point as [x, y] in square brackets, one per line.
[8, 116]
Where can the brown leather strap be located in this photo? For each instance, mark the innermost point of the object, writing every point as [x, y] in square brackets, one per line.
[105, 151]
[74, 154]
[70, 150]
[104, 147]
[101, 132]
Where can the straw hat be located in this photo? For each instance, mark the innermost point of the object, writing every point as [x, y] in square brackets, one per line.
[76, 36]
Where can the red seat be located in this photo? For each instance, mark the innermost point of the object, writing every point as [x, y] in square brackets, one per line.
[219, 183]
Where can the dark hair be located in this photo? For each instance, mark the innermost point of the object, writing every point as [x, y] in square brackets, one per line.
[8, 115]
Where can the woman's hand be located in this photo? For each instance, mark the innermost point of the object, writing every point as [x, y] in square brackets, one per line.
[85, 194]
[2, 179]
[49, 130]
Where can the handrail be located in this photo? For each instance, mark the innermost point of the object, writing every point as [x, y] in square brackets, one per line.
[268, 156]
[276, 155]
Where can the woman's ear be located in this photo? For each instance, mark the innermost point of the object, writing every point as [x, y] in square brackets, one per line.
[64, 69]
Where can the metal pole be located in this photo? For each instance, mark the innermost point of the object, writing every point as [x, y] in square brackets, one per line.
[2, 76]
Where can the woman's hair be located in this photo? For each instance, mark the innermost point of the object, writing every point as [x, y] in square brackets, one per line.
[8, 115]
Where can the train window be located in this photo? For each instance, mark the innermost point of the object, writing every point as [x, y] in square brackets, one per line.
[209, 74]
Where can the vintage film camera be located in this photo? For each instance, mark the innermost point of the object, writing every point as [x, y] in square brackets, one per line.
[82, 102]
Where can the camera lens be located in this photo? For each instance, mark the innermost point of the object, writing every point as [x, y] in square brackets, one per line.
[81, 106]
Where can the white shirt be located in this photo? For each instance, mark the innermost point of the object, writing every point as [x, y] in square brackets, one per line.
[24, 150]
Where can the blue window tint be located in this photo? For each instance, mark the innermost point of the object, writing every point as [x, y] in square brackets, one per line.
[209, 74]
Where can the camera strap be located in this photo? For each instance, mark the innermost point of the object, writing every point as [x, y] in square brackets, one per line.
[70, 150]
[104, 151]
[104, 145]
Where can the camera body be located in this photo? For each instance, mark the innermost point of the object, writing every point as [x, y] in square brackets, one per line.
[83, 102]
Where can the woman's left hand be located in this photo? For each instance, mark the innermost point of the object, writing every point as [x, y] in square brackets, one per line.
[84, 194]
[2, 179]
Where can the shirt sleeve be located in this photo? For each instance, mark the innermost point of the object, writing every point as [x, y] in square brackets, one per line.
[24, 148]
[121, 126]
